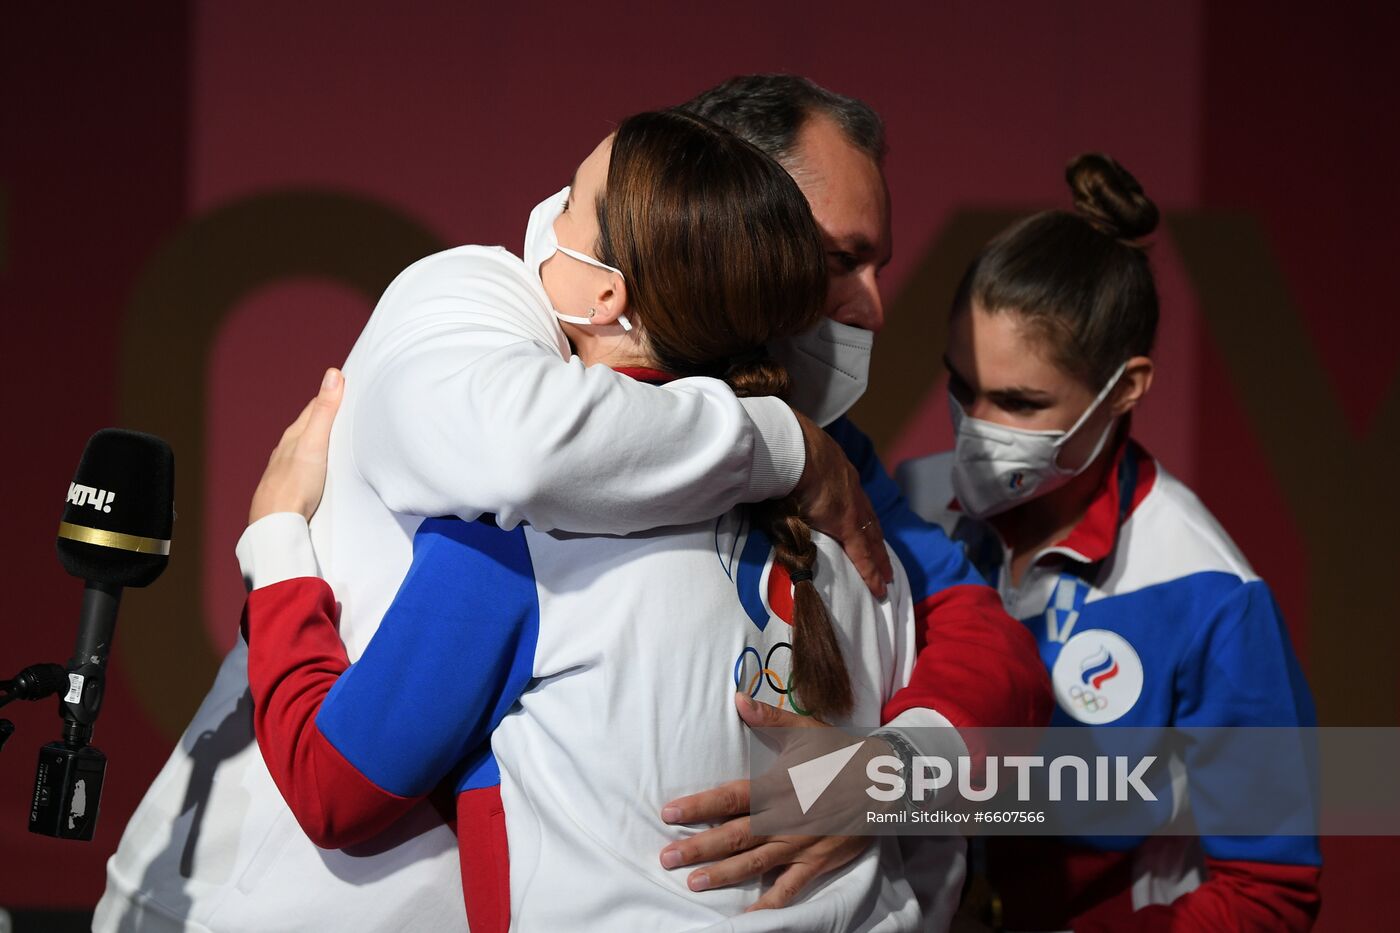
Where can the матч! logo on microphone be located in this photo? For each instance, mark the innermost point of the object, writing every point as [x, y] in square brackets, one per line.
[99, 499]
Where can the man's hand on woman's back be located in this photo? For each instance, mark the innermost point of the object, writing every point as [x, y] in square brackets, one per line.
[829, 496]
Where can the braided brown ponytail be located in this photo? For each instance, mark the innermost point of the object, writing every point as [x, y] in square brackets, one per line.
[721, 255]
[819, 677]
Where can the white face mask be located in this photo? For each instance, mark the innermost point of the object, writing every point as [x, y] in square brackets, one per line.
[541, 243]
[996, 468]
[829, 367]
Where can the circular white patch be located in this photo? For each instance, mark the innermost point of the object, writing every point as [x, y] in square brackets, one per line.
[1097, 677]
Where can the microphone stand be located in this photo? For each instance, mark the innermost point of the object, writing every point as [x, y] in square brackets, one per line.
[68, 783]
[33, 683]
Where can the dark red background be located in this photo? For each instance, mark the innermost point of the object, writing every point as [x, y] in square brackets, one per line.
[120, 124]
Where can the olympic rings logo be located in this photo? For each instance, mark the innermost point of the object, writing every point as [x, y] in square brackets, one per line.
[750, 678]
[1088, 700]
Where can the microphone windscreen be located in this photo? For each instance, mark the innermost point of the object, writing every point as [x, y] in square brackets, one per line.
[116, 524]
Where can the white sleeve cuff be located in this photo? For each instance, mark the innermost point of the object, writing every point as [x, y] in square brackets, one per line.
[931, 735]
[779, 452]
[274, 548]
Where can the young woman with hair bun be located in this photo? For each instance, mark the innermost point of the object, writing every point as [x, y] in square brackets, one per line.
[1145, 611]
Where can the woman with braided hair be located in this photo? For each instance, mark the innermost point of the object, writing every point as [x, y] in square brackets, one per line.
[560, 684]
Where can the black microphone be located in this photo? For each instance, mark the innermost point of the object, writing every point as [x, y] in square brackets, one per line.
[115, 533]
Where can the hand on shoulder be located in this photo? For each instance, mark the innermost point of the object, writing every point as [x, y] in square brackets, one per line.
[296, 472]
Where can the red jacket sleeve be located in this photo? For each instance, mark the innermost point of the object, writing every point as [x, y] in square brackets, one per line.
[295, 656]
[1237, 897]
[977, 666]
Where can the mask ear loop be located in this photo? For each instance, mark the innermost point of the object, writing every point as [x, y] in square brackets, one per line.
[575, 319]
[582, 321]
[622, 320]
[1103, 438]
[1103, 394]
[587, 259]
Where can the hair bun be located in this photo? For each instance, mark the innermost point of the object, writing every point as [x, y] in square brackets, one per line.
[1110, 198]
[755, 374]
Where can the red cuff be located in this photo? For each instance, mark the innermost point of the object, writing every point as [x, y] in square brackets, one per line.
[294, 658]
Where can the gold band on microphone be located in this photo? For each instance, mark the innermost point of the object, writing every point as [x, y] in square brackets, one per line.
[113, 539]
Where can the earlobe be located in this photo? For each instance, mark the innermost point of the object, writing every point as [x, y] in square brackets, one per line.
[611, 304]
[1137, 380]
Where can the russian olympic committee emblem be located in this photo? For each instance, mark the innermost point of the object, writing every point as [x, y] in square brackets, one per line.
[1097, 677]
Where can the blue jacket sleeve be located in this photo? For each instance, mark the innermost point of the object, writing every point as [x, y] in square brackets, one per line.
[1238, 678]
[452, 655]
